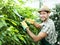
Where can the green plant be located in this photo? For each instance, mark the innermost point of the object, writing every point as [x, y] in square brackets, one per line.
[11, 31]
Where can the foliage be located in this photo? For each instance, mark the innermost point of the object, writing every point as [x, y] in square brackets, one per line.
[11, 31]
[56, 19]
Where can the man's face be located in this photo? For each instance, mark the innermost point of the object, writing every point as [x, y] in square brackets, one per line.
[44, 15]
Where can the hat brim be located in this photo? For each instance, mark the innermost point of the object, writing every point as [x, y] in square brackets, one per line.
[44, 11]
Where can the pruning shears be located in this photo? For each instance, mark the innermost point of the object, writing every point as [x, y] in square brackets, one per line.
[21, 18]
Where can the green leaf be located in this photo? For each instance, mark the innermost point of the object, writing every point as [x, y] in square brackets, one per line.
[2, 23]
[0, 42]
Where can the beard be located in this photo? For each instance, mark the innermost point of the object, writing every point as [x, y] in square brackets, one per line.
[43, 19]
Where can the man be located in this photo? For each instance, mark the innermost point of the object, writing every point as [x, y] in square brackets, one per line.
[47, 35]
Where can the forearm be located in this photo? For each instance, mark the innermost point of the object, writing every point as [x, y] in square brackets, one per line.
[37, 25]
[34, 37]
[31, 34]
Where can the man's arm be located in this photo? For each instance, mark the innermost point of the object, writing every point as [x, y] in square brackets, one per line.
[38, 25]
[40, 36]
[33, 22]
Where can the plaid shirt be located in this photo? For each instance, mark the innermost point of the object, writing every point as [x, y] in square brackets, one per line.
[49, 28]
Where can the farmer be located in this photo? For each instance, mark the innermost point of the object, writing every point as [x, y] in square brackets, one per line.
[47, 35]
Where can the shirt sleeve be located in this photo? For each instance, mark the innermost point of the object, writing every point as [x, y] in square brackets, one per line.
[42, 24]
[46, 29]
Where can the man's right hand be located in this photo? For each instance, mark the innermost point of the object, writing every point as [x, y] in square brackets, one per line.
[24, 25]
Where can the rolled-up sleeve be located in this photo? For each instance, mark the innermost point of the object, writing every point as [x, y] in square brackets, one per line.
[46, 29]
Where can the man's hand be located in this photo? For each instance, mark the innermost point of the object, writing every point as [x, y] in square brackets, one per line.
[29, 20]
[24, 25]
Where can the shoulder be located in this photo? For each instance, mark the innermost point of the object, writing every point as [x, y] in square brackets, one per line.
[50, 22]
